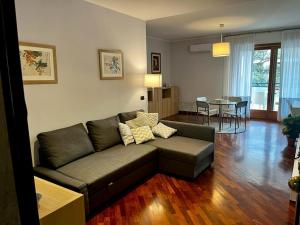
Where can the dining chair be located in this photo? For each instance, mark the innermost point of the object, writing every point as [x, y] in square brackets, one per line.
[237, 114]
[230, 108]
[203, 108]
[232, 99]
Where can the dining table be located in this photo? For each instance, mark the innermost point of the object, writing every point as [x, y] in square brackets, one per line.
[220, 103]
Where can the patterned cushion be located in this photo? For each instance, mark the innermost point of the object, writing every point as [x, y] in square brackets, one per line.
[137, 122]
[142, 134]
[126, 134]
[150, 118]
[163, 131]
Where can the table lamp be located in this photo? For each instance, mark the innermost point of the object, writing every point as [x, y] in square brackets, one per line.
[152, 80]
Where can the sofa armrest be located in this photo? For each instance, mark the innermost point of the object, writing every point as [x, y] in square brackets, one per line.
[63, 180]
[191, 130]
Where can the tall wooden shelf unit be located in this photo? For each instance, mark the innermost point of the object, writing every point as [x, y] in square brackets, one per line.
[164, 101]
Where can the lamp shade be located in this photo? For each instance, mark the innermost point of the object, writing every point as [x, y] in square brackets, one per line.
[152, 80]
[221, 49]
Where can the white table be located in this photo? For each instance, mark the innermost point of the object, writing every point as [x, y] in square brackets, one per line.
[221, 103]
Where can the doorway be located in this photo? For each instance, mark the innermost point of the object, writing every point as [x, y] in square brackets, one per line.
[265, 85]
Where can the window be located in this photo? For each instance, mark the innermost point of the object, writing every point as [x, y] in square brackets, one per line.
[265, 79]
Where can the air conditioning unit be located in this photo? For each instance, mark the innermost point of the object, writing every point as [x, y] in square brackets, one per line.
[200, 48]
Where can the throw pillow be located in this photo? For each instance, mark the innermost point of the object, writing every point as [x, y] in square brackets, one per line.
[142, 134]
[126, 134]
[151, 118]
[137, 122]
[104, 133]
[163, 131]
[63, 146]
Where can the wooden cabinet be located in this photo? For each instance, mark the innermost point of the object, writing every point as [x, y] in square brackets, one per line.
[164, 101]
[58, 205]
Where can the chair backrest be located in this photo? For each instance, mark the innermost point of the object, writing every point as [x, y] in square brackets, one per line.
[202, 104]
[235, 99]
[242, 104]
[203, 99]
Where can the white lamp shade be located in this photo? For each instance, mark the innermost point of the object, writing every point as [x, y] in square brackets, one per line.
[153, 80]
[221, 49]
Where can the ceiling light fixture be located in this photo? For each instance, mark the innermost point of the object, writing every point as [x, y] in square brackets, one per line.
[221, 49]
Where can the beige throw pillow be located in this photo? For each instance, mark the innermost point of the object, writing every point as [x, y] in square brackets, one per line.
[126, 134]
[137, 122]
[142, 134]
[151, 119]
[163, 131]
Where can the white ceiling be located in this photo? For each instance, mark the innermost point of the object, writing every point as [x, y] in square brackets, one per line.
[179, 19]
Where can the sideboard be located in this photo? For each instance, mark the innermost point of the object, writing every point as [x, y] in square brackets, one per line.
[164, 101]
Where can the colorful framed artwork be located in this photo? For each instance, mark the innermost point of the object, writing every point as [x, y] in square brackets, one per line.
[111, 64]
[155, 62]
[38, 63]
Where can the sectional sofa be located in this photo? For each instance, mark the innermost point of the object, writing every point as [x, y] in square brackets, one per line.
[99, 166]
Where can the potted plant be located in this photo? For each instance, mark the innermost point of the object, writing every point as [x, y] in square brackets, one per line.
[291, 129]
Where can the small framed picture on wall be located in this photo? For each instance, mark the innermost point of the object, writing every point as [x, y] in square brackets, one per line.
[155, 62]
[111, 64]
[38, 63]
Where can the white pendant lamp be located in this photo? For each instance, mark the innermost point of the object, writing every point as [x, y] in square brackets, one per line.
[221, 49]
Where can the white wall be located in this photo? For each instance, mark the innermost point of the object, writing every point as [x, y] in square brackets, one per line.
[160, 46]
[199, 74]
[79, 29]
[196, 74]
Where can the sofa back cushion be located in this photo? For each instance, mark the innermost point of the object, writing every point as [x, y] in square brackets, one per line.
[104, 133]
[63, 146]
[125, 116]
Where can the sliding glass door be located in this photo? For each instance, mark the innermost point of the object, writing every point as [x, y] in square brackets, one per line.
[265, 81]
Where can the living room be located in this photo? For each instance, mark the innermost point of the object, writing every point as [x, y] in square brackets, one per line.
[150, 112]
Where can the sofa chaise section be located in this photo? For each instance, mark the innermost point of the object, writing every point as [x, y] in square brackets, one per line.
[189, 152]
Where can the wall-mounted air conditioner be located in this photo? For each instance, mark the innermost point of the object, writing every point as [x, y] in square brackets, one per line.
[200, 48]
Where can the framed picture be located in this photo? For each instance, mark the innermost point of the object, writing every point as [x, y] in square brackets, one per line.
[155, 62]
[111, 64]
[38, 63]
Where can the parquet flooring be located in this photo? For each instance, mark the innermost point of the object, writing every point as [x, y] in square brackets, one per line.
[247, 185]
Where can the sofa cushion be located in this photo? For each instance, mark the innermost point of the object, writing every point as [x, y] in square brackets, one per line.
[62, 146]
[137, 122]
[163, 131]
[183, 149]
[142, 134]
[150, 118]
[101, 168]
[104, 133]
[126, 134]
[125, 116]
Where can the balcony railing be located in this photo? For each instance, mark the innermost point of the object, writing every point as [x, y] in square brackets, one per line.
[259, 96]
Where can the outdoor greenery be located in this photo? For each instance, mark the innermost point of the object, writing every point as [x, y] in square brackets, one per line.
[291, 126]
[261, 65]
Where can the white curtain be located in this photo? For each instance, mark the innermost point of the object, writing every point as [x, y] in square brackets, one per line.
[238, 68]
[290, 72]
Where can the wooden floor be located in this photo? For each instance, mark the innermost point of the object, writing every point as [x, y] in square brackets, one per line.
[247, 185]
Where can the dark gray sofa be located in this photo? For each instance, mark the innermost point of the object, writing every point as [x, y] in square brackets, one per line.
[110, 167]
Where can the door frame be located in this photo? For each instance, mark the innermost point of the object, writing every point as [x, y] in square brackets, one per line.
[15, 124]
[268, 114]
